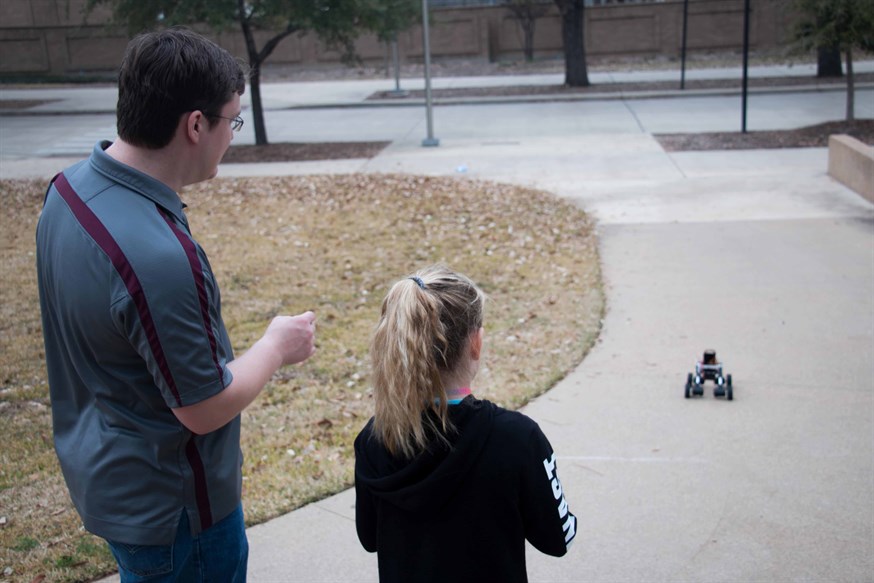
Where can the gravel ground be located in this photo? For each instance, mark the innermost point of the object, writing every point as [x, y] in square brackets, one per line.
[299, 152]
[560, 90]
[809, 137]
[461, 67]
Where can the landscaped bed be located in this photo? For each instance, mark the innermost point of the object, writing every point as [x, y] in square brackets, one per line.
[815, 136]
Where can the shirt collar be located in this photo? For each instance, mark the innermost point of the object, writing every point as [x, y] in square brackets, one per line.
[141, 183]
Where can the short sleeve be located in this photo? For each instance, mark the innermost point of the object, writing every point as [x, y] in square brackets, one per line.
[172, 318]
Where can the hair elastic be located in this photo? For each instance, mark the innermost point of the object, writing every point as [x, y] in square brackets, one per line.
[418, 281]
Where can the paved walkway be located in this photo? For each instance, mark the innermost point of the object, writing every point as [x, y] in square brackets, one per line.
[758, 254]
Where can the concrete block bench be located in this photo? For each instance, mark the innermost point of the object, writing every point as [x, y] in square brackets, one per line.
[851, 163]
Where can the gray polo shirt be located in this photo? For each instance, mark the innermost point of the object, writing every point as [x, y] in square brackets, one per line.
[132, 326]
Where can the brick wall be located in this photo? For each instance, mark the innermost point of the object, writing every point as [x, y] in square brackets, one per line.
[52, 37]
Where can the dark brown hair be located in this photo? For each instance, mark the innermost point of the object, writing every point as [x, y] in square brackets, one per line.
[166, 74]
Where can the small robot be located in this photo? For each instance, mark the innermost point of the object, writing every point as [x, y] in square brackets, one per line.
[709, 369]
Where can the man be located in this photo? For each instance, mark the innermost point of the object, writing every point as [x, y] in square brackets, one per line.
[146, 393]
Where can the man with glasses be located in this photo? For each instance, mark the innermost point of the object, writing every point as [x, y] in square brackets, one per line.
[146, 393]
[236, 122]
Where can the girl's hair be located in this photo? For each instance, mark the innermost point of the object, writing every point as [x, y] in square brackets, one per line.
[426, 322]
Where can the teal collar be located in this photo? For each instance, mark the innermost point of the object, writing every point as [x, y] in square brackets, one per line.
[457, 396]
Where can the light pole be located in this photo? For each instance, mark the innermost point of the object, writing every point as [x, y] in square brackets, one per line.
[685, 26]
[397, 92]
[743, 122]
[430, 141]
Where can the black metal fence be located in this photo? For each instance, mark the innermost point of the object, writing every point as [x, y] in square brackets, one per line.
[462, 3]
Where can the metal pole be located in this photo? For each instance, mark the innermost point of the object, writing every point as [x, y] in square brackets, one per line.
[397, 65]
[429, 141]
[743, 124]
[397, 92]
[683, 50]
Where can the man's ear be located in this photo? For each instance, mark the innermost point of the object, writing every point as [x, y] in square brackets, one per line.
[194, 125]
[476, 344]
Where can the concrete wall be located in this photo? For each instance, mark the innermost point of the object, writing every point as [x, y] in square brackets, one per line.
[851, 163]
[52, 37]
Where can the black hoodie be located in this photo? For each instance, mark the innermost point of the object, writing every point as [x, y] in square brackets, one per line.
[462, 512]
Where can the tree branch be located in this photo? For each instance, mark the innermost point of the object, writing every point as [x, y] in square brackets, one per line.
[270, 45]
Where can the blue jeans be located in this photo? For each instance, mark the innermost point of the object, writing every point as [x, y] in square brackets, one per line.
[218, 554]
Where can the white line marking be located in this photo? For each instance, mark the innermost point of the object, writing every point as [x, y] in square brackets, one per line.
[645, 460]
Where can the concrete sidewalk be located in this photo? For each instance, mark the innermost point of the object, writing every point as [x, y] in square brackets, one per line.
[767, 260]
[758, 254]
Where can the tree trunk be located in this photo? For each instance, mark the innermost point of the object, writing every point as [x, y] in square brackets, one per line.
[828, 62]
[528, 27]
[526, 13]
[255, 61]
[851, 88]
[257, 109]
[572, 22]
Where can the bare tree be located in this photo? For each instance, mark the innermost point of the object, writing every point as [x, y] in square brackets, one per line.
[526, 13]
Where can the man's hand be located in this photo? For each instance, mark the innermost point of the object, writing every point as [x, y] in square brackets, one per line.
[293, 336]
[287, 340]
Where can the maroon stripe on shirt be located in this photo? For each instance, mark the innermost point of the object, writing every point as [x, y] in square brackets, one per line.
[101, 235]
[104, 239]
[197, 272]
[200, 490]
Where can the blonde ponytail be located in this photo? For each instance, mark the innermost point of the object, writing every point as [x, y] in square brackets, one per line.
[424, 326]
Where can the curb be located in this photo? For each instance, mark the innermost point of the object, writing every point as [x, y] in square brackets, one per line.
[606, 96]
[499, 100]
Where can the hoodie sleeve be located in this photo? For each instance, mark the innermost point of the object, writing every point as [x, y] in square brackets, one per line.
[365, 518]
[549, 524]
[365, 503]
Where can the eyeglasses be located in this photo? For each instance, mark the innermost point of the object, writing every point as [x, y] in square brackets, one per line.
[236, 122]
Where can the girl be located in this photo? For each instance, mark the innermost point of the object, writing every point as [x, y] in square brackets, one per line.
[449, 487]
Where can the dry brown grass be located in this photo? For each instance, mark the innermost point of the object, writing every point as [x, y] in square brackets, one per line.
[285, 245]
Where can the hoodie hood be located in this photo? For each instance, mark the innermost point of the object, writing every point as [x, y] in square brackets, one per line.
[426, 483]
